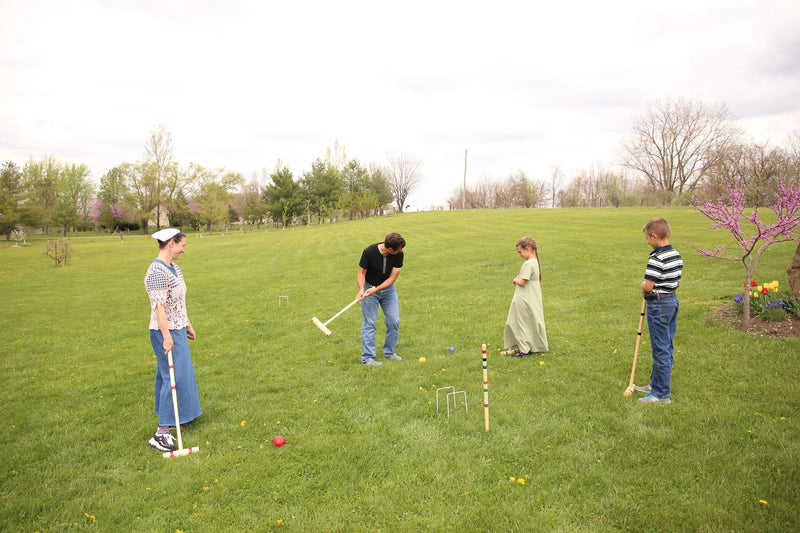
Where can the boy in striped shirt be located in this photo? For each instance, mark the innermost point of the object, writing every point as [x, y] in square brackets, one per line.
[662, 277]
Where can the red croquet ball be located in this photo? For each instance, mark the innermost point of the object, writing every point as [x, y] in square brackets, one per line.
[278, 442]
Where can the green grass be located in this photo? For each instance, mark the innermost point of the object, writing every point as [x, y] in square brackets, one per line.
[367, 449]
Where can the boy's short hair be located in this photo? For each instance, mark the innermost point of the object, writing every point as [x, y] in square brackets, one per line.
[658, 227]
[394, 241]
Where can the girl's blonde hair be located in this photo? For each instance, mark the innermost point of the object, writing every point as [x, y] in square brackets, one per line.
[530, 244]
[527, 242]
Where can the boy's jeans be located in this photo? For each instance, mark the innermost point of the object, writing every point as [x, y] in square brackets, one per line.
[662, 319]
[387, 300]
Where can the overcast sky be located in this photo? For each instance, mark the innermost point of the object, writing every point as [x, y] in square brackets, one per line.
[517, 84]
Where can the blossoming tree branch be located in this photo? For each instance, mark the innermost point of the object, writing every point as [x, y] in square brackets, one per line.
[752, 234]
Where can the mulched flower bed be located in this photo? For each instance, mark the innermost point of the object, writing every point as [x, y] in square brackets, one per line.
[781, 329]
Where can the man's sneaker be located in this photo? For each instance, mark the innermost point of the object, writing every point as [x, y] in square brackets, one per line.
[163, 441]
[646, 388]
[392, 357]
[371, 362]
[654, 399]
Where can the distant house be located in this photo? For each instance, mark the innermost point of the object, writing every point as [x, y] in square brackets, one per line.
[164, 223]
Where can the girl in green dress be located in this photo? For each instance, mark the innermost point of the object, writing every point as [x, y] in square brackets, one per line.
[525, 323]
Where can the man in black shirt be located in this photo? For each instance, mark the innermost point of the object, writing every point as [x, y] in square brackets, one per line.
[378, 270]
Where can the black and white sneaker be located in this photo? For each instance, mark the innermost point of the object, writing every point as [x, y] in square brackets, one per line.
[163, 441]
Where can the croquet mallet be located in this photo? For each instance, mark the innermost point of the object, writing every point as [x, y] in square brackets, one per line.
[181, 451]
[323, 327]
[631, 386]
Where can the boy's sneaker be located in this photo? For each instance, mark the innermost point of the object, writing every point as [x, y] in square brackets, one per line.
[392, 357]
[371, 362]
[654, 399]
[163, 441]
[646, 388]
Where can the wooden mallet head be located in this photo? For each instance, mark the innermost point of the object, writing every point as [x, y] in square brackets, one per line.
[317, 322]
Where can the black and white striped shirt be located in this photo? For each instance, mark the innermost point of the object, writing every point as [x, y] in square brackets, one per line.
[664, 268]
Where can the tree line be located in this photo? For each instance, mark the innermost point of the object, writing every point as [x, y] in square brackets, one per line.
[678, 149]
[156, 191]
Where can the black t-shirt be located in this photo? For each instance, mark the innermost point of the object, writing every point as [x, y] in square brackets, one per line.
[379, 267]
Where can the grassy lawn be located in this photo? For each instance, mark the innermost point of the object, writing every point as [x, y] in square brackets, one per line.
[366, 448]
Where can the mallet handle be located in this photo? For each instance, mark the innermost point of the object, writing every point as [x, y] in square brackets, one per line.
[181, 451]
[174, 398]
[638, 341]
[340, 312]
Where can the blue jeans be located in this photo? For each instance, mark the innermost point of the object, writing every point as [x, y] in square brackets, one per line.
[387, 300]
[662, 320]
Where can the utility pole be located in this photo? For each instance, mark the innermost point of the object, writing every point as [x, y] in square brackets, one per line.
[464, 188]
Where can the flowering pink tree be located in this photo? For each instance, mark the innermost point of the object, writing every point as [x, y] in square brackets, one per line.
[95, 210]
[117, 212]
[729, 216]
[110, 215]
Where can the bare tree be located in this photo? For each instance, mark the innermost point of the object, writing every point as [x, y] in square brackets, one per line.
[556, 178]
[757, 169]
[336, 155]
[794, 143]
[519, 187]
[675, 142]
[586, 189]
[405, 176]
[516, 191]
[158, 153]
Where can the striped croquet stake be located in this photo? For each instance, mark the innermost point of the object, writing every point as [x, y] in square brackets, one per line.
[485, 389]
[181, 451]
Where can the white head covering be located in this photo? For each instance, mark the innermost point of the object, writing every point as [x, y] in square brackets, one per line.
[166, 234]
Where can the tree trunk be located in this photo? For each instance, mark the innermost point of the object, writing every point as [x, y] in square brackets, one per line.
[794, 272]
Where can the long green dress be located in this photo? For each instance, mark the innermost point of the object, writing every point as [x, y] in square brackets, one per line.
[525, 323]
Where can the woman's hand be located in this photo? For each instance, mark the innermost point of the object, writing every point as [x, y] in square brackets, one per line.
[168, 344]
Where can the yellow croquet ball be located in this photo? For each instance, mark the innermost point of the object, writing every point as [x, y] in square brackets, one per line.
[421, 359]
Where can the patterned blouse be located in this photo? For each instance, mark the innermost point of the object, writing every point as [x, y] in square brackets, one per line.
[165, 286]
